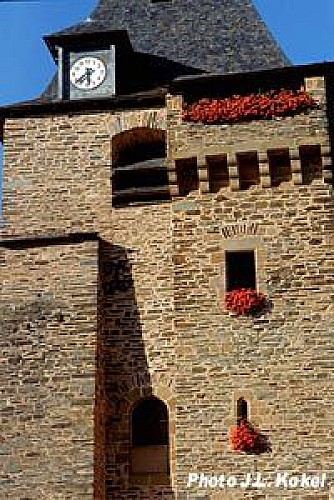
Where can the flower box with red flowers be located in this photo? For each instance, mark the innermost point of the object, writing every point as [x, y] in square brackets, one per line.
[245, 301]
[245, 438]
[238, 108]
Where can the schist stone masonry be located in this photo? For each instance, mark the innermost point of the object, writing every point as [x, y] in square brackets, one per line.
[133, 211]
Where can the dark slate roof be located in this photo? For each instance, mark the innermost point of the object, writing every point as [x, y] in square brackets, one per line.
[216, 36]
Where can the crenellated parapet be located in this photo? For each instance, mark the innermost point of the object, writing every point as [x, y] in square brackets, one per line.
[293, 149]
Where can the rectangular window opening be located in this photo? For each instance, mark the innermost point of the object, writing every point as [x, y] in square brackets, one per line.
[279, 166]
[311, 163]
[187, 175]
[248, 167]
[217, 172]
[240, 270]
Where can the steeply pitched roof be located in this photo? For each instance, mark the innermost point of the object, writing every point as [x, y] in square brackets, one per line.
[216, 36]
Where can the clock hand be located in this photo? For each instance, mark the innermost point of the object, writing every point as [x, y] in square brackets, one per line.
[81, 78]
[89, 72]
[85, 76]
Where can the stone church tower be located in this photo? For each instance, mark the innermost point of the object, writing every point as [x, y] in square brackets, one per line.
[132, 214]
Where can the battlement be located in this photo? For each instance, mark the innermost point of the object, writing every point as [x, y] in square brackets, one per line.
[292, 149]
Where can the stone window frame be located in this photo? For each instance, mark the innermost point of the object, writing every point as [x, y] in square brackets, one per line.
[257, 410]
[247, 244]
[233, 278]
[187, 175]
[141, 456]
[162, 408]
[242, 409]
[165, 394]
[128, 162]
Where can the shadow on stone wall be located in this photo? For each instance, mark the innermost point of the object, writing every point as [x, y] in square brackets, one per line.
[123, 378]
[28, 355]
[330, 113]
[24, 349]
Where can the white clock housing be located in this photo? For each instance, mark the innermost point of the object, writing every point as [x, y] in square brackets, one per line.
[89, 63]
[88, 73]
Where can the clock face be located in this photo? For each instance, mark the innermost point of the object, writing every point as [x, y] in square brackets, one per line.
[87, 73]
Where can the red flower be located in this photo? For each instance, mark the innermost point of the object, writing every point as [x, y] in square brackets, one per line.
[245, 301]
[244, 437]
[251, 107]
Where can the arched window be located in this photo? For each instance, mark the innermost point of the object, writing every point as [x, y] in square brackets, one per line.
[242, 410]
[139, 168]
[150, 423]
[150, 439]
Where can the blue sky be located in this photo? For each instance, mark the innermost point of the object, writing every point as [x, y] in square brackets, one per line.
[304, 28]
[25, 63]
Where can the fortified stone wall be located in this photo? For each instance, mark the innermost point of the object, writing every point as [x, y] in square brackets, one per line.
[161, 327]
[220, 358]
[137, 336]
[56, 176]
[135, 345]
[57, 170]
[200, 142]
[279, 362]
[48, 345]
[188, 138]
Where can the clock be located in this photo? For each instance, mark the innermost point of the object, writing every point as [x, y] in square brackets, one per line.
[89, 63]
[88, 73]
